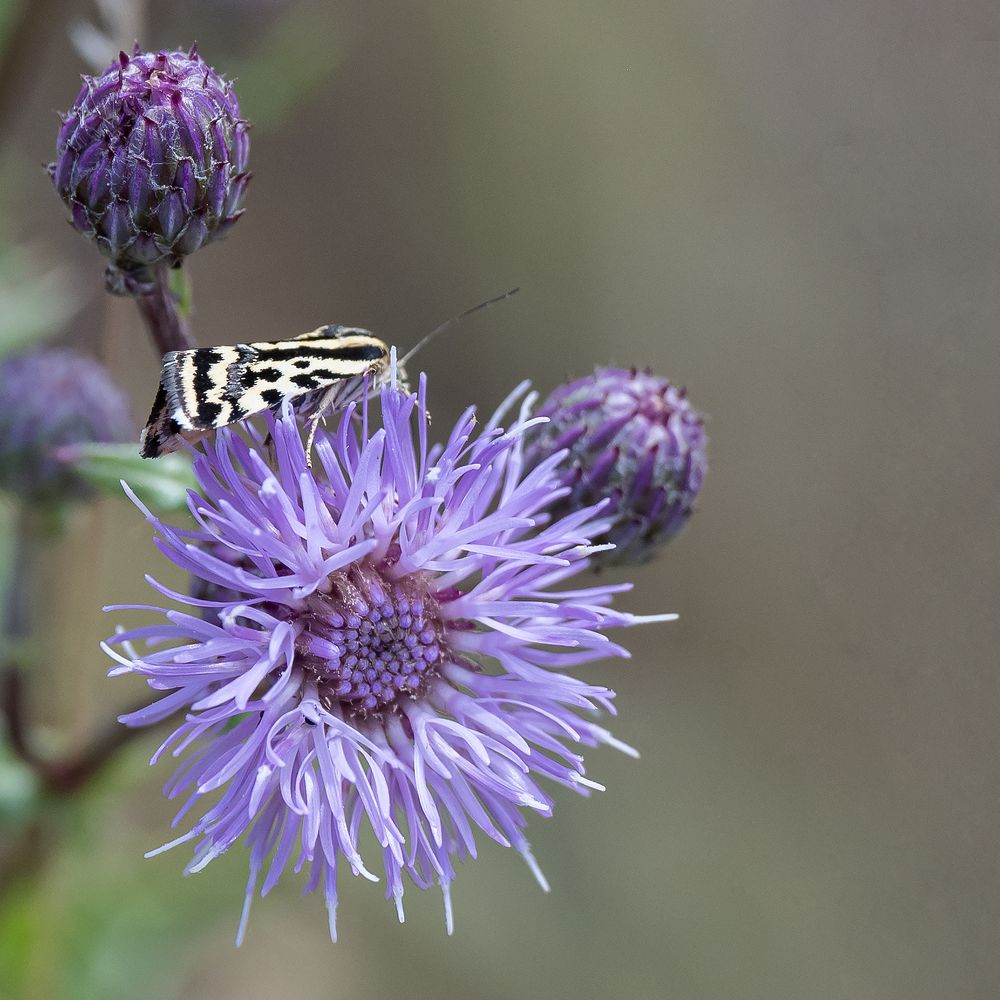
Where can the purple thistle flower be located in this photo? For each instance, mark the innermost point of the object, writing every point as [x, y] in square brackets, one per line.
[634, 441]
[152, 161]
[389, 651]
[51, 399]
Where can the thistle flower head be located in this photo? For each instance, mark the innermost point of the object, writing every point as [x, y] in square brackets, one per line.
[151, 161]
[49, 399]
[635, 442]
[389, 650]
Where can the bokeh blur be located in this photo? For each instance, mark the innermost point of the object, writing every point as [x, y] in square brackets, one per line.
[793, 209]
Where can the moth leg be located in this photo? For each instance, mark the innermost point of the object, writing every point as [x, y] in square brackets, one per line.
[268, 437]
[325, 401]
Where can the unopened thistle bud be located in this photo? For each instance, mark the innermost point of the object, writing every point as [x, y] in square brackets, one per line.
[152, 162]
[50, 399]
[634, 440]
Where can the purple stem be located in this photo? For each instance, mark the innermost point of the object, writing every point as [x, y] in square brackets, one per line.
[69, 773]
[167, 327]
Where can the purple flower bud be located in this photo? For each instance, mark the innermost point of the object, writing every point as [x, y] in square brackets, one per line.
[50, 399]
[152, 161]
[632, 439]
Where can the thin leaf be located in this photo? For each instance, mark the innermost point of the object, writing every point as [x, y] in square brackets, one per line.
[161, 483]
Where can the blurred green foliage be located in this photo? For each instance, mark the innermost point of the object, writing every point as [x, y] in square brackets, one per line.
[7, 10]
[182, 290]
[99, 920]
[36, 300]
[18, 790]
[288, 64]
[160, 484]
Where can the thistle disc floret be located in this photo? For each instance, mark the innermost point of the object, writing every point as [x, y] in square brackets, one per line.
[370, 638]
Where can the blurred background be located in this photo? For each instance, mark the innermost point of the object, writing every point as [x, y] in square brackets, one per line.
[791, 208]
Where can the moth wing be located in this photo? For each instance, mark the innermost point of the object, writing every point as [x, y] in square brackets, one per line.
[163, 432]
[184, 406]
[334, 331]
[177, 386]
[157, 435]
[210, 387]
[305, 364]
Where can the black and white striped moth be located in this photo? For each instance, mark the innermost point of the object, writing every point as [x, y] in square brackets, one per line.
[209, 387]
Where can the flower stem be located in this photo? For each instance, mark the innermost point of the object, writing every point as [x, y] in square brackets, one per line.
[16, 632]
[168, 329]
[58, 775]
[67, 774]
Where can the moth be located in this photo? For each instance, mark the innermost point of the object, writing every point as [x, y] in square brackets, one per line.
[209, 387]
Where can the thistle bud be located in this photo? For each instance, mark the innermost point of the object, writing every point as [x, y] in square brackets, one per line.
[50, 399]
[634, 440]
[151, 162]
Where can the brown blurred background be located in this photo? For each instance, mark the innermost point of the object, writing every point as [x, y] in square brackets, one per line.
[793, 209]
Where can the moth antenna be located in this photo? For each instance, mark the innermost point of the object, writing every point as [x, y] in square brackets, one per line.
[451, 322]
